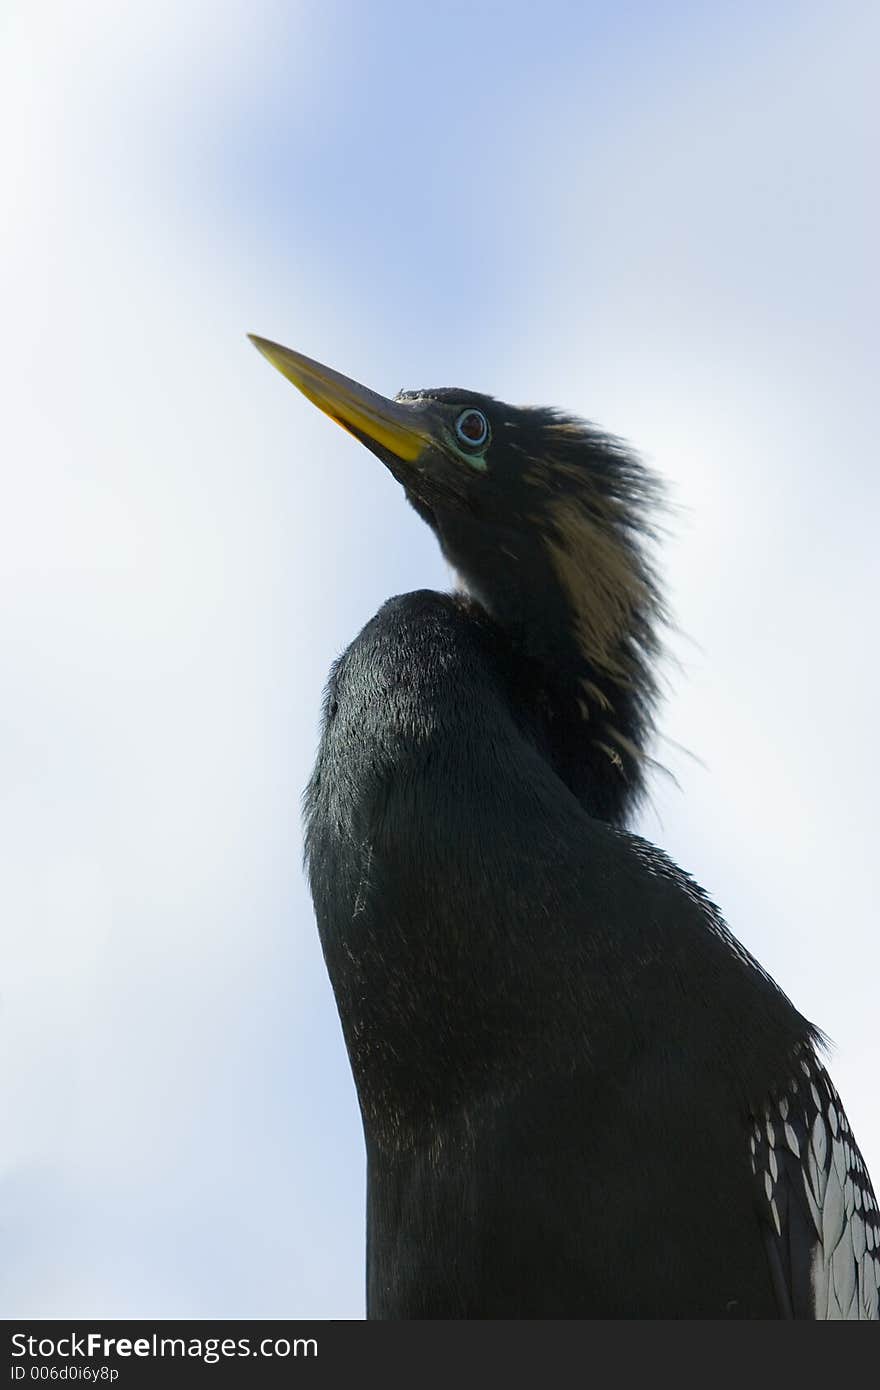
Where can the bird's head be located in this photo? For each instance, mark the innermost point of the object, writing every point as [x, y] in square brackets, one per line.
[545, 518]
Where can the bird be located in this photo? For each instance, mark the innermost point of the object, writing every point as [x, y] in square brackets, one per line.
[581, 1096]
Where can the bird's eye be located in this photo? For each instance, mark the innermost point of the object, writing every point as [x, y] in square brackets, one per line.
[472, 428]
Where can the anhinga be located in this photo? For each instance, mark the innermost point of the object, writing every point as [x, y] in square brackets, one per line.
[581, 1096]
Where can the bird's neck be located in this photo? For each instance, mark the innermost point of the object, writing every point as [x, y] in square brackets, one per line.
[593, 729]
[593, 701]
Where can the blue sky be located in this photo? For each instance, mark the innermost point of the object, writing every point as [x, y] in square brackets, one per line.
[662, 217]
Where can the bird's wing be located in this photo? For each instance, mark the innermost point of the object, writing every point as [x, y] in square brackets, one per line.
[822, 1226]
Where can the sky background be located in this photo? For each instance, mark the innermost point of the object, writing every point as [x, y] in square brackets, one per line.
[661, 216]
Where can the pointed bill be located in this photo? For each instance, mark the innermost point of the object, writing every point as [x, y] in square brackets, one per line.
[370, 417]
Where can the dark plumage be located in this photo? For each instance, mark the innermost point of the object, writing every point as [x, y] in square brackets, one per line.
[581, 1097]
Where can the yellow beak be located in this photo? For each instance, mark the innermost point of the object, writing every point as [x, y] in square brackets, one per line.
[370, 417]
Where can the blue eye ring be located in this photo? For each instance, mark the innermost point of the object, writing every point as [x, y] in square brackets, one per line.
[472, 428]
